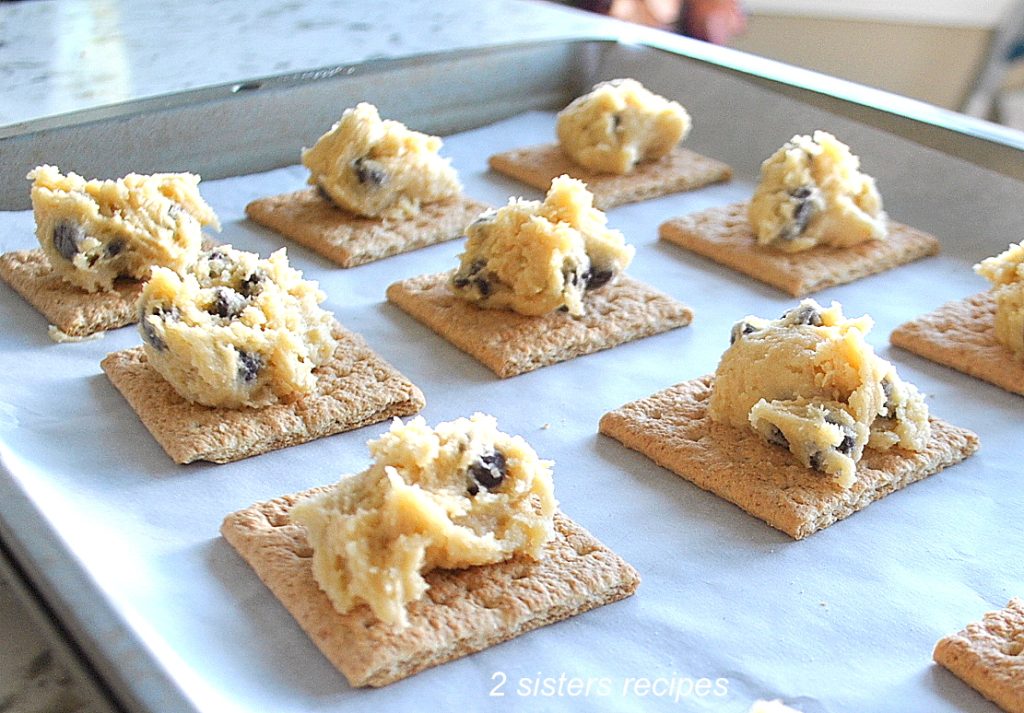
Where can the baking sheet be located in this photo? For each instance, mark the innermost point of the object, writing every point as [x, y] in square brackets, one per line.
[729, 610]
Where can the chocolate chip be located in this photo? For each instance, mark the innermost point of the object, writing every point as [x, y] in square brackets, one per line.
[817, 460]
[227, 303]
[488, 471]
[777, 438]
[887, 389]
[369, 172]
[802, 213]
[217, 261]
[149, 332]
[252, 285]
[464, 279]
[151, 337]
[849, 436]
[249, 366]
[114, 247]
[805, 314]
[848, 442]
[740, 330]
[597, 278]
[67, 236]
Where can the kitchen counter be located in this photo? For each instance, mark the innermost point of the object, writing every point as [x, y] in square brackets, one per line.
[58, 56]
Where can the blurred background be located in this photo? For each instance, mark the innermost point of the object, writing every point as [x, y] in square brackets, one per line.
[965, 56]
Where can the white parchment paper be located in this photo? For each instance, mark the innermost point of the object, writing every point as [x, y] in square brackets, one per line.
[729, 610]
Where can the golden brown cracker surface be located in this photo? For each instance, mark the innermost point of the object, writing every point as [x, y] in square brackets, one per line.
[681, 170]
[348, 240]
[724, 235]
[509, 343]
[354, 389]
[74, 311]
[961, 335]
[673, 428]
[988, 656]
[463, 611]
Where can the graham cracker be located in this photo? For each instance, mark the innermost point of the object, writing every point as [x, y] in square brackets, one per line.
[347, 239]
[680, 170]
[509, 343]
[962, 335]
[988, 656]
[74, 311]
[724, 235]
[354, 389]
[673, 428]
[462, 612]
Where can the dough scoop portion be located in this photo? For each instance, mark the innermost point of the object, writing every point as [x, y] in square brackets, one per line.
[619, 124]
[236, 330]
[458, 495]
[809, 382]
[96, 231]
[535, 257]
[379, 168]
[812, 192]
[1006, 273]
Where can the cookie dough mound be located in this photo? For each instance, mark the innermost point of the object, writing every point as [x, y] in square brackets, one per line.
[460, 495]
[809, 382]
[236, 330]
[94, 232]
[379, 168]
[812, 192]
[534, 257]
[1006, 273]
[620, 124]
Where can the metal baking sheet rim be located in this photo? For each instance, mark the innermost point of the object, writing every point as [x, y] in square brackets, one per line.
[208, 140]
[107, 641]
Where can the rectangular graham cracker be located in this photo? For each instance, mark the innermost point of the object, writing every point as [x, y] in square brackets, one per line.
[988, 656]
[673, 428]
[509, 343]
[724, 235]
[962, 335]
[354, 389]
[348, 240]
[463, 611]
[74, 311]
[681, 170]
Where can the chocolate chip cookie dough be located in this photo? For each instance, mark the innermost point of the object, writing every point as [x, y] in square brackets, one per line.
[1006, 273]
[96, 231]
[534, 257]
[619, 124]
[460, 495]
[812, 192]
[814, 221]
[379, 168]
[809, 382]
[234, 330]
[622, 140]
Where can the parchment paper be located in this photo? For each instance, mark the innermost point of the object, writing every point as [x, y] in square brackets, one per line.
[844, 621]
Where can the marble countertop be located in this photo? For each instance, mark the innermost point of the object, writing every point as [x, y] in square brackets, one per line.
[59, 56]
